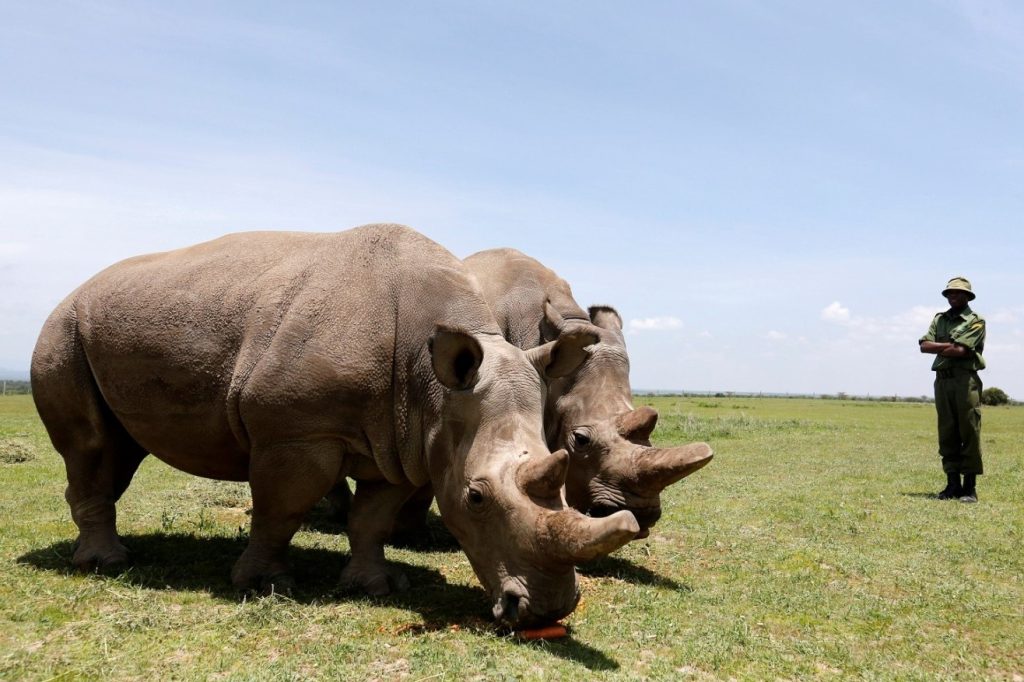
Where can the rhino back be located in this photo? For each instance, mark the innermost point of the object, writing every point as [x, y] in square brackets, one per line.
[258, 337]
[516, 288]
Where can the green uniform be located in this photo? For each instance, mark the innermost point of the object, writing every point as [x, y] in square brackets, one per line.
[958, 390]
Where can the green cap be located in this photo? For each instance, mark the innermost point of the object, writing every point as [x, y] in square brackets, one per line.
[959, 284]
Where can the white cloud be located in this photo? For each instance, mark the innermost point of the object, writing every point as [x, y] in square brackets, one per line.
[655, 323]
[1005, 316]
[835, 312]
[775, 335]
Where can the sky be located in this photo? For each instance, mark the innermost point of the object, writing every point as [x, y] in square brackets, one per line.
[772, 194]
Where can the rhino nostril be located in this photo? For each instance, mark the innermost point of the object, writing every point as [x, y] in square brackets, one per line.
[507, 609]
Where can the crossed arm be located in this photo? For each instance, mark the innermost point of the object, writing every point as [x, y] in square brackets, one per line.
[946, 350]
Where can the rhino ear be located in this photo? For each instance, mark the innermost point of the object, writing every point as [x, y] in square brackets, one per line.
[564, 356]
[552, 323]
[456, 357]
[605, 317]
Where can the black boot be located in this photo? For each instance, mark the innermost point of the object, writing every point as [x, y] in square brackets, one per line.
[953, 489]
[969, 494]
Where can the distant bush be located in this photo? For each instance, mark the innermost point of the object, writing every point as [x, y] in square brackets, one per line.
[10, 387]
[994, 396]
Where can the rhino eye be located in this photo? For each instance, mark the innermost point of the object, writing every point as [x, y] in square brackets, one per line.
[475, 497]
[580, 439]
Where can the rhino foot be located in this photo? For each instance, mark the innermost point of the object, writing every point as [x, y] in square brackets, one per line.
[266, 585]
[376, 581]
[282, 584]
[262, 577]
[106, 555]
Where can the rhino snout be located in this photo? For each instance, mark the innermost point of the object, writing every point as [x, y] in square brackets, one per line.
[514, 608]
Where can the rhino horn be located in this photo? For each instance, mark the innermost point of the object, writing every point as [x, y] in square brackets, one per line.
[658, 468]
[543, 476]
[637, 425]
[570, 537]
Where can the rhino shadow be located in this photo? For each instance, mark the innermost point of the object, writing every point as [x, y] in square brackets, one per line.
[622, 569]
[434, 536]
[203, 564]
[574, 650]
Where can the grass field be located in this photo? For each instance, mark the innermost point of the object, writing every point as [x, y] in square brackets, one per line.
[809, 548]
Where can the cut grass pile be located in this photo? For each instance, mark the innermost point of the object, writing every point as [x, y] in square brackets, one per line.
[809, 548]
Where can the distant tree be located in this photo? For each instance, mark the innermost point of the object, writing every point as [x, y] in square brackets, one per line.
[994, 396]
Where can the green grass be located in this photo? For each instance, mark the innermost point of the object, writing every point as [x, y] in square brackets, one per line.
[809, 548]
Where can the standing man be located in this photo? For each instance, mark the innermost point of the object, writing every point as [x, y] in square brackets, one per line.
[957, 338]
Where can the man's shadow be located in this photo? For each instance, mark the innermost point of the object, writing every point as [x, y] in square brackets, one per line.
[920, 495]
[203, 564]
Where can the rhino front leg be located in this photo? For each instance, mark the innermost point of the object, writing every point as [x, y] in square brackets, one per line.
[411, 522]
[286, 481]
[370, 523]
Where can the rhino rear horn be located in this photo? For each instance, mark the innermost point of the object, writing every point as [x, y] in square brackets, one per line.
[638, 424]
[543, 476]
[570, 537]
[658, 468]
[562, 356]
[456, 357]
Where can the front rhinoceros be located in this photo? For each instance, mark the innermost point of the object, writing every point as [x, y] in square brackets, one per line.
[589, 412]
[293, 360]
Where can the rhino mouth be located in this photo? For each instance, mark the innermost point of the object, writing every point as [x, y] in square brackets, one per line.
[646, 517]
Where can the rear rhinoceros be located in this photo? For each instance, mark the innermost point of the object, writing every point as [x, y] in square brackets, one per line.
[293, 360]
[589, 412]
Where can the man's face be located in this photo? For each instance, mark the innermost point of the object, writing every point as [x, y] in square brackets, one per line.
[957, 299]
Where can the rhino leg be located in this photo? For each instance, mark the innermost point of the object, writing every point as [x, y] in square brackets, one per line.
[99, 455]
[286, 482]
[339, 500]
[411, 523]
[370, 523]
[97, 477]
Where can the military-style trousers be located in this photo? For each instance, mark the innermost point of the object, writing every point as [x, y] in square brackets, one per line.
[957, 403]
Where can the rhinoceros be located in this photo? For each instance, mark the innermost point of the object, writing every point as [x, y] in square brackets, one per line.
[589, 412]
[293, 360]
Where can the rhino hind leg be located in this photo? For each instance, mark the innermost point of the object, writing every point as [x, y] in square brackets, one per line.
[370, 523]
[286, 481]
[99, 455]
[97, 477]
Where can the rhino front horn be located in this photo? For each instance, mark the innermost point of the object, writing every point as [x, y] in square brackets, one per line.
[572, 538]
[658, 468]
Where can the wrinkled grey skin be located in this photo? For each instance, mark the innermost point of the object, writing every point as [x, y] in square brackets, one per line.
[588, 412]
[293, 360]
